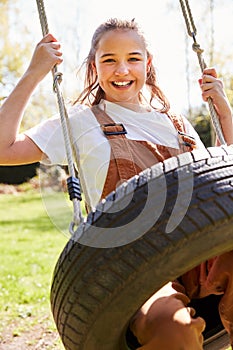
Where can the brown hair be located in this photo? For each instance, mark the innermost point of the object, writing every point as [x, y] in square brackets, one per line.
[93, 93]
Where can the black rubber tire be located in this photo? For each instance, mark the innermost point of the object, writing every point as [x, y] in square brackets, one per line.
[95, 291]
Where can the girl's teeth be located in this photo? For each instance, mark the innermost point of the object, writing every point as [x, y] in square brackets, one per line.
[121, 83]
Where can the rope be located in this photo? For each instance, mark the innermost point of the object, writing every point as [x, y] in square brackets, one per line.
[70, 151]
[192, 31]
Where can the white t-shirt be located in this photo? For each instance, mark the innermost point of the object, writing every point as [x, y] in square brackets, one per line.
[92, 146]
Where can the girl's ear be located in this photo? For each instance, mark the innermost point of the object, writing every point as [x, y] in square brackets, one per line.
[149, 62]
[93, 66]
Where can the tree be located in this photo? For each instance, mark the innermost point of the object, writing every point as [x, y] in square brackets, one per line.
[12, 53]
[201, 122]
[15, 51]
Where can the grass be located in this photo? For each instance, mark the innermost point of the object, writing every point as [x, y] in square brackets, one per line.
[30, 245]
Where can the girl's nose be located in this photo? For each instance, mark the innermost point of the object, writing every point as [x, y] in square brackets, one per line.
[122, 69]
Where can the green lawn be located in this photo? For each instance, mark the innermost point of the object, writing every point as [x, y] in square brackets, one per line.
[30, 245]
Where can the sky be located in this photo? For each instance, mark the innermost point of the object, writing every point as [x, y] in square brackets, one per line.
[73, 23]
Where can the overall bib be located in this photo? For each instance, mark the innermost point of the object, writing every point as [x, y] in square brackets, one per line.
[130, 157]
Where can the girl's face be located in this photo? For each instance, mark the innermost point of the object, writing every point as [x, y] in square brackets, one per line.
[121, 65]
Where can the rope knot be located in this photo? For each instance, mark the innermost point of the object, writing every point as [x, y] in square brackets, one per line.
[197, 48]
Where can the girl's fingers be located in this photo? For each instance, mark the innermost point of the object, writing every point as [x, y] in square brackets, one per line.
[48, 38]
[55, 45]
[209, 76]
[210, 71]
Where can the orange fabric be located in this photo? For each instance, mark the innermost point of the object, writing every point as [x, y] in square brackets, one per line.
[142, 156]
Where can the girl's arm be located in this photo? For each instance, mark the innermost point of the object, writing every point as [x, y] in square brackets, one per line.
[16, 148]
[213, 87]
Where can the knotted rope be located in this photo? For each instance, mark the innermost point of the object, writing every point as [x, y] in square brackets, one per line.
[192, 31]
[72, 181]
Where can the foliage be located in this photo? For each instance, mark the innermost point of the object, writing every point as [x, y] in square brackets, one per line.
[15, 53]
[12, 52]
[201, 122]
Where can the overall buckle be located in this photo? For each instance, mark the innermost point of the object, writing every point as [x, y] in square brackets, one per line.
[108, 129]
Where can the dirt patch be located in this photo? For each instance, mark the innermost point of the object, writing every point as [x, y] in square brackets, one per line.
[38, 337]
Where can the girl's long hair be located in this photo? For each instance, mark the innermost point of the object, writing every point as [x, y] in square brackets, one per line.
[93, 93]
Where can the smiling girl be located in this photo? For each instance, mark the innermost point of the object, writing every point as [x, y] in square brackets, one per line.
[118, 132]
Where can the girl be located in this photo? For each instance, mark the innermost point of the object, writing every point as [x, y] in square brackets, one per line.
[118, 132]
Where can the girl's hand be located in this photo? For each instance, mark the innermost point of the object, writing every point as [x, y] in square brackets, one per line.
[213, 88]
[46, 55]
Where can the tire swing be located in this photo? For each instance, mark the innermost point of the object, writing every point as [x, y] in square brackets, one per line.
[138, 239]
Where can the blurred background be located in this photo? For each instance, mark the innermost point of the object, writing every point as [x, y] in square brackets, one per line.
[73, 23]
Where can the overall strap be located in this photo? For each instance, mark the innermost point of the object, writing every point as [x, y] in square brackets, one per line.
[185, 140]
[121, 151]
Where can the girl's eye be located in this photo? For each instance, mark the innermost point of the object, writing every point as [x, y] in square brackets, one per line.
[108, 60]
[134, 59]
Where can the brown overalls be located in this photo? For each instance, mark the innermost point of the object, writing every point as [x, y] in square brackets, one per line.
[130, 157]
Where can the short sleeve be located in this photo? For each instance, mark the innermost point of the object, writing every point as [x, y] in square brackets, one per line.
[48, 136]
